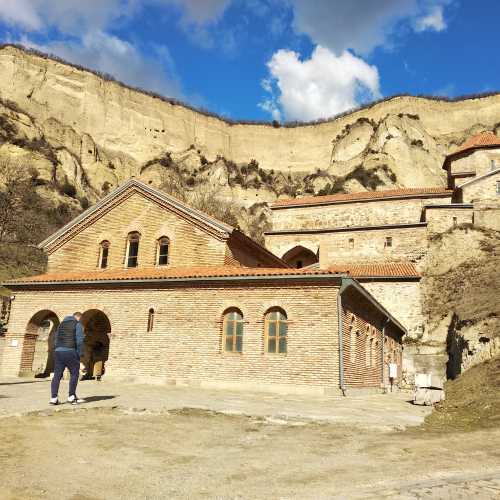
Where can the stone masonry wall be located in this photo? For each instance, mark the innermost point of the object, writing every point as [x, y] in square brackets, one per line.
[442, 219]
[482, 190]
[402, 299]
[186, 342]
[479, 161]
[368, 213]
[369, 245]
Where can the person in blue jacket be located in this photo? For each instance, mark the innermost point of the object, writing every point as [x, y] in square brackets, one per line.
[68, 349]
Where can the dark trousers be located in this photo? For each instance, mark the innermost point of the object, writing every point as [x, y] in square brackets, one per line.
[62, 360]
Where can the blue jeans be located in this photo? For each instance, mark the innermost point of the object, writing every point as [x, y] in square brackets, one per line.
[62, 360]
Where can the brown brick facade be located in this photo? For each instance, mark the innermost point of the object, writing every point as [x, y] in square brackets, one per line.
[185, 344]
[369, 342]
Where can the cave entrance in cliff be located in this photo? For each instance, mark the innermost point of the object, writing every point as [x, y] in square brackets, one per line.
[96, 347]
[300, 256]
[37, 356]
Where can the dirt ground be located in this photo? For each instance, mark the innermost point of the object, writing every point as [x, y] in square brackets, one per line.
[472, 401]
[110, 453]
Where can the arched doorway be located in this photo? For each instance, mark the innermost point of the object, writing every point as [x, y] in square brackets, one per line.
[299, 257]
[37, 357]
[96, 348]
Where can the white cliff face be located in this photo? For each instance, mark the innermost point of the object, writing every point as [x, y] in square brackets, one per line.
[103, 132]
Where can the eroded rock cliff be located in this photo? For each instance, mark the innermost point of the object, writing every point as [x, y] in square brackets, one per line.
[77, 128]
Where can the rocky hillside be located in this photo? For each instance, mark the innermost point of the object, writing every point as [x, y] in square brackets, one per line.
[461, 300]
[85, 134]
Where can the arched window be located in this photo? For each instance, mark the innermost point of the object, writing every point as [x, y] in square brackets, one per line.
[103, 254]
[368, 346]
[133, 249]
[151, 320]
[352, 338]
[162, 251]
[233, 331]
[276, 328]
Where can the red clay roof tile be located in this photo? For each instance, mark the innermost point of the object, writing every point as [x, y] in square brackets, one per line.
[166, 273]
[384, 269]
[401, 269]
[484, 139]
[363, 196]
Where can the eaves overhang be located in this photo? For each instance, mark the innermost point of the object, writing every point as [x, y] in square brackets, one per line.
[181, 280]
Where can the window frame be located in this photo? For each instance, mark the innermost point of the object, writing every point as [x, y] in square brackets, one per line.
[151, 320]
[278, 337]
[498, 188]
[159, 244]
[388, 242]
[368, 350]
[132, 237]
[353, 335]
[104, 246]
[235, 322]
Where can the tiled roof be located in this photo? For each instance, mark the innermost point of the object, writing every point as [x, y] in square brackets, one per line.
[389, 269]
[485, 139]
[167, 273]
[363, 196]
[401, 269]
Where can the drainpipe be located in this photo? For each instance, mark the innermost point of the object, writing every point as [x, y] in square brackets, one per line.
[341, 342]
[386, 322]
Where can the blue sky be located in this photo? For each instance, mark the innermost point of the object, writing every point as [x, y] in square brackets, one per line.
[265, 59]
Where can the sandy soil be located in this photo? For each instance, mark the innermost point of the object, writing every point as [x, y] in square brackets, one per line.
[106, 453]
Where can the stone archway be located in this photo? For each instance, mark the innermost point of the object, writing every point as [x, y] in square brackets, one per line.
[97, 331]
[300, 256]
[37, 357]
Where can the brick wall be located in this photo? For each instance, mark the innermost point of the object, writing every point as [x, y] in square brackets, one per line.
[189, 245]
[186, 342]
[366, 351]
[367, 213]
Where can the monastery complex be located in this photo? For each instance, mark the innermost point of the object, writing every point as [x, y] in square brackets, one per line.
[178, 297]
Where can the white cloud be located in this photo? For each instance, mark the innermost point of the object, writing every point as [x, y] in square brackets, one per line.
[20, 13]
[319, 87]
[363, 25]
[82, 39]
[433, 20]
[109, 54]
[68, 16]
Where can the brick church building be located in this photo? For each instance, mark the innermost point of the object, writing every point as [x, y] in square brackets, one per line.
[178, 297]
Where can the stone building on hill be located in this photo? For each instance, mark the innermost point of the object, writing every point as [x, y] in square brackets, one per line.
[177, 296]
[390, 230]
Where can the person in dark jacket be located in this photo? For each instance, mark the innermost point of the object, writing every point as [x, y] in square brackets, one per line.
[68, 349]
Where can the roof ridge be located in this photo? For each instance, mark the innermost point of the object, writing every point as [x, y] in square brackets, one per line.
[487, 138]
[361, 196]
